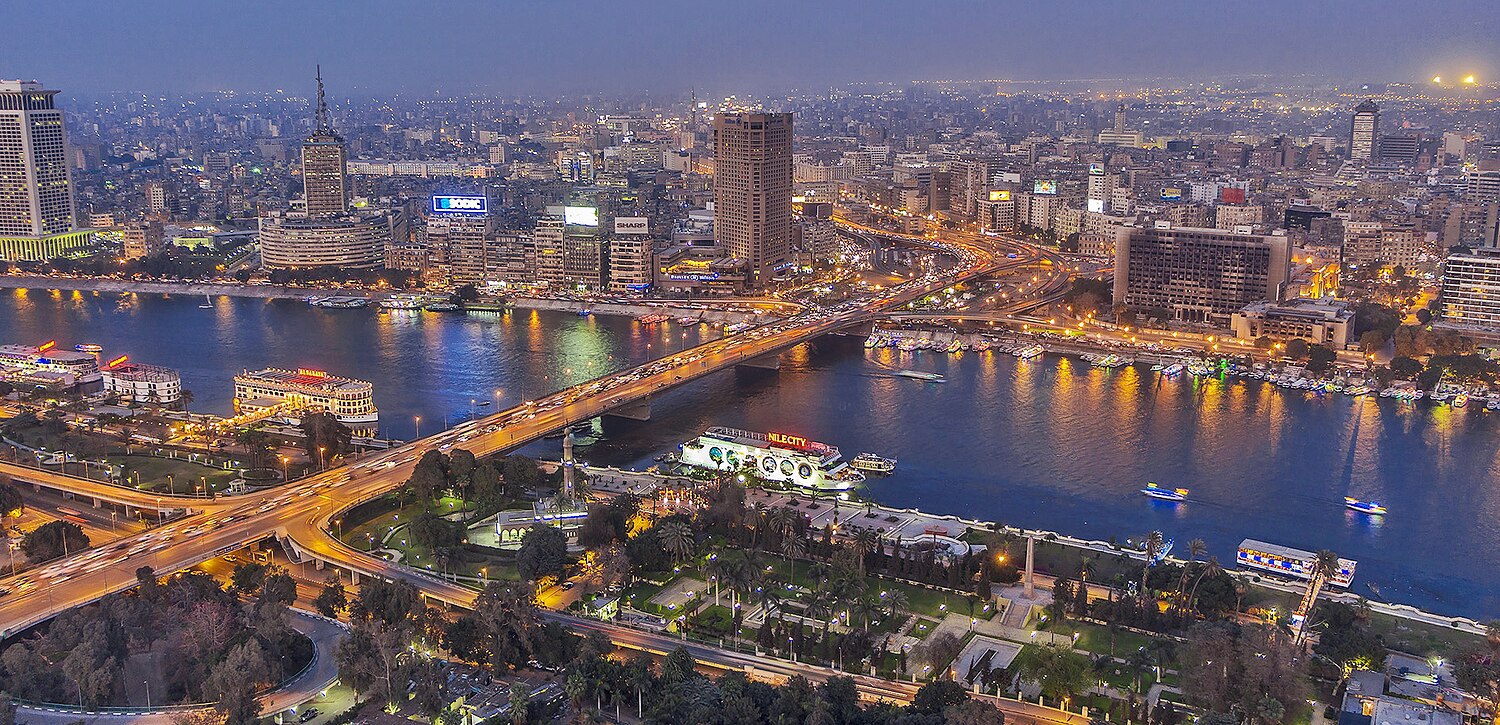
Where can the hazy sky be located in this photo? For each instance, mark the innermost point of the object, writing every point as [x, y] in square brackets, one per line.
[579, 46]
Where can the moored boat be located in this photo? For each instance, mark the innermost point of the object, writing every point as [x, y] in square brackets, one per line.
[873, 463]
[1165, 494]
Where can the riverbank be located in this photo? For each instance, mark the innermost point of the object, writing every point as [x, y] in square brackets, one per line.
[898, 524]
[702, 312]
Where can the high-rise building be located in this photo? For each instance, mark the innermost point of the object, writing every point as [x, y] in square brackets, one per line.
[325, 164]
[37, 217]
[1364, 130]
[1482, 186]
[1471, 293]
[1198, 275]
[630, 251]
[753, 190]
[467, 238]
[1120, 118]
[158, 198]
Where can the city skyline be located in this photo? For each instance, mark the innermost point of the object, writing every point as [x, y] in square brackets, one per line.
[589, 47]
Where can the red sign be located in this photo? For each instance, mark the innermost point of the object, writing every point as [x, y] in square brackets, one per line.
[48, 345]
[118, 361]
[309, 373]
[1232, 195]
[788, 440]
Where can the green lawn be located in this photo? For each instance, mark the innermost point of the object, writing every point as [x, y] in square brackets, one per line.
[922, 627]
[1420, 639]
[1095, 638]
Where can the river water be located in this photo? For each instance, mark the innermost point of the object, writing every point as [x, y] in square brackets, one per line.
[1052, 444]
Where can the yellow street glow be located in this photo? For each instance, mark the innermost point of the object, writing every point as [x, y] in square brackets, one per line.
[1437, 79]
[1469, 79]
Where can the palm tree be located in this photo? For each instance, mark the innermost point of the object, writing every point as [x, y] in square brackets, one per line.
[864, 608]
[895, 601]
[1196, 548]
[758, 521]
[1153, 545]
[677, 539]
[793, 546]
[866, 540]
[1209, 569]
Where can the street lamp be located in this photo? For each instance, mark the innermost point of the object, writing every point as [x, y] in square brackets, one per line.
[419, 426]
[322, 463]
[285, 475]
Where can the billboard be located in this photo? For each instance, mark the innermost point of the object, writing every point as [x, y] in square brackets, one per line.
[632, 225]
[1232, 195]
[1096, 206]
[581, 216]
[1000, 195]
[1044, 187]
[460, 204]
[1171, 193]
[1096, 169]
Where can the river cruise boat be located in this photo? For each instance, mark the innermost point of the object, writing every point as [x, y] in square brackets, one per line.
[45, 366]
[1289, 562]
[1027, 353]
[1165, 494]
[1372, 508]
[402, 302]
[919, 375]
[778, 457]
[285, 394]
[1172, 370]
[873, 463]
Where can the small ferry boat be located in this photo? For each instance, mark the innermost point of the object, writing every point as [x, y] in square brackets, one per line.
[440, 307]
[585, 312]
[402, 302]
[872, 341]
[653, 318]
[1365, 507]
[1026, 353]
[208, 304]
[686, 321]
[1460, 400]
[919, 375]
[1165, 494]
[1172, 370]
[89, 347]
[873, 463]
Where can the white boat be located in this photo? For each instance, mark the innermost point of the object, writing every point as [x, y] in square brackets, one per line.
[873, 463]
[1172, 370]
[919, 375]
[208, 304]
[1175, 495]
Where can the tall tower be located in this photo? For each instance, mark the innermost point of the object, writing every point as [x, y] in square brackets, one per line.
[753, 189]
[324, 165]
[1120, 118]
[37, 217]
[1364, 130]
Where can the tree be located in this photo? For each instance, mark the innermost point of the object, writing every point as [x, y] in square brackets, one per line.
[1296, 348]
[544, 551]
[54, 539]
[506, 612]
[677, 538]
[11, 503]
[332, 599]
[248, 577]
[938, 650]
[935, 697]
[1320, 358]
[324, 436]
[1057, 670]
[234, 681]
[973, 712]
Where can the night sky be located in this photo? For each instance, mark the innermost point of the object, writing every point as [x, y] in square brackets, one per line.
[624, 46]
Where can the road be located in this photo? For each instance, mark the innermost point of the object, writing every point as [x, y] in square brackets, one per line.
[301, 513]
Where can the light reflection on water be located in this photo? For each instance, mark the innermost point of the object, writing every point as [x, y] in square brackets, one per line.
[1051, 443]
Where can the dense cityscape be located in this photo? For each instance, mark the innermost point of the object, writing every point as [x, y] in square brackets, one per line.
[1152, 399]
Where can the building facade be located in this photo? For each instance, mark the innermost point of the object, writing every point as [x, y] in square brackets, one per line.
[753, 189]
[1471, 293]
[1364, 130]
[349, 242]
[37, 216]
[1198, 275]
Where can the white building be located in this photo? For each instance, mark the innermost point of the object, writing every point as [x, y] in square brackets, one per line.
[289, 392]
[1471, 293]
[143, 383]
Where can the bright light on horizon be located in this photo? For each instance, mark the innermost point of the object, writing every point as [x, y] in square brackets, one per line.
[1469, 80]
[1437, 79]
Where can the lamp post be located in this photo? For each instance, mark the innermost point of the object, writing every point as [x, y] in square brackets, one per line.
[322, 462]
[285, 472]
[419, 426]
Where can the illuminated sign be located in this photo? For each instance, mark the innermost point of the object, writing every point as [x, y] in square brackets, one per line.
[632, 225]
[310, 373]
[1171, 193]
[581, 216]
[1096, 169]
[1000, 195]
[1044, 187]
[693, 277]
[1096, 206]
[460, 204]
[48, 345]
[118, 361]
[788, 440]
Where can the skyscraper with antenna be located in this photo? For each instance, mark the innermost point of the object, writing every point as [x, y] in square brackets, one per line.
[324, 164]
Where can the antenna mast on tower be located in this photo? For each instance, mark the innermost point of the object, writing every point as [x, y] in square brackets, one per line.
[322, 113]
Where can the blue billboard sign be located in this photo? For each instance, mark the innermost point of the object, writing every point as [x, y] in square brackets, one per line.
[460, 204]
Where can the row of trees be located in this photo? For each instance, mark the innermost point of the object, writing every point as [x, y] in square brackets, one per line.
[209, 645]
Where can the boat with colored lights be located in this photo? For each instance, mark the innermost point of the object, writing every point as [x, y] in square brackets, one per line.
[873, 463]
[779, 457]
[1365, 507]
[1165, 494]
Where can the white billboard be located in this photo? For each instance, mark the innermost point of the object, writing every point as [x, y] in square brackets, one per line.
[632, 225]
[582, 216]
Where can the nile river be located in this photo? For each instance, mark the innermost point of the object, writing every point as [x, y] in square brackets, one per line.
[1051, 444]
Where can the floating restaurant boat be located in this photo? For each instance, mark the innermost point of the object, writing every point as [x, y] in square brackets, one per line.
[284, 393]
[919, 375]
[1026, 353]
[873, 463]
[1165, 494]
[779, 457]
[1289, 562]
[1172, 370]
[1365, 507]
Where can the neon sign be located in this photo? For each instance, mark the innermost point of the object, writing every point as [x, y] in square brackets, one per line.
[48, 345]
[118, 361]
[791, 441]
[309, 373]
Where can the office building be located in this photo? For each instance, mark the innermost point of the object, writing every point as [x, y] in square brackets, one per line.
[142, 240]
[1364, 131]
[347, 242]
[630, 252]
[1471, 293]
[1322, 322]
[324, 165]
[1400, 148]
[753, 190]
[1482, 186]
[37, 216]
[158, 199]
[1198, 275]
[466, 239]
